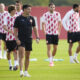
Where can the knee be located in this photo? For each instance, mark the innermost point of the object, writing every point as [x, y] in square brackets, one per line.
[27, 56]
[79, 45]
[22, 55]
[55, 48]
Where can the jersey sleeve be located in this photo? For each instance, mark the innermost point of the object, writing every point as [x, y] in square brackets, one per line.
[16, 25]
[43, 18]
[65, 21]
[59, 17]
[33, 22]
[5, 20]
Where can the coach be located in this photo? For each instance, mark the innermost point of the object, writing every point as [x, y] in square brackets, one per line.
[24, 24]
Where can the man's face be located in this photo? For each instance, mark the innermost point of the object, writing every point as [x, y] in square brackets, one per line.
[13, 11]
[52, 8]
[18, 5]
[2, 7]
[77, 9]
[27, 10]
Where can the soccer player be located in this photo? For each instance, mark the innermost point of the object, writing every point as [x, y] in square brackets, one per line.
[3, 14]
[71, 25]
[10, 38]
[19, 8]
[24, 24]
[51, 25]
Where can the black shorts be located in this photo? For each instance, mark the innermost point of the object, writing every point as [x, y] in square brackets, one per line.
[3, 36]
[52, 39]
[27, 44]
[11, 45]
[73, 37]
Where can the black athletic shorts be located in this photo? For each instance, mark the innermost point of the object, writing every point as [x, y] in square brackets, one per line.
[3, 36]
[11, 45]
[27, 44]
[73, 37]
[52, 39]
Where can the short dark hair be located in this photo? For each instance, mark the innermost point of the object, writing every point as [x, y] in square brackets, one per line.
[18, 1]
[75, 6]
[11, 8]
[26, 6]
[50, 4]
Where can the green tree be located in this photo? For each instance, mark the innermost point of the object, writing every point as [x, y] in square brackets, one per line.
[7, 2]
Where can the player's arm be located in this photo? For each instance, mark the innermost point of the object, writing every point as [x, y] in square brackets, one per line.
[8, 30]
[16, 31]
[60, 24]
[16, 36]
[43, 28]
[35, 31]
[43, 24]
[64, 22]
[36, 34]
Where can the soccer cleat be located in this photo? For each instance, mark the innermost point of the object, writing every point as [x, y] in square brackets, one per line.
[76, 60]
[26, 74]
[10, 68]
[21, 74]
[15, 68]
[51, 64]
[72, 61]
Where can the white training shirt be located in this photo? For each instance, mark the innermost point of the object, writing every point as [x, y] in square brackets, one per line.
[71, 21]
[9, 22]
[2, 16]
[19, 13]
[51, 20]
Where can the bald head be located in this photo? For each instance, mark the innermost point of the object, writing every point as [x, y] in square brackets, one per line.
[2, 7]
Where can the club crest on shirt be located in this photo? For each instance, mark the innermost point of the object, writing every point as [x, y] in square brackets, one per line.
[31, 20]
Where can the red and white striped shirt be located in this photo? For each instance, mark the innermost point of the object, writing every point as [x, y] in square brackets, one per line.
[9, 22]
[2, 16]
[51, 20]
[71, 21]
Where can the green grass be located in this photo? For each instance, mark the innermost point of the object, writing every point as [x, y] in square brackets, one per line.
[40, 70]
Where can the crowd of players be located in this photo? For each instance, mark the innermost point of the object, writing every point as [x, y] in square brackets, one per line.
[16, 32]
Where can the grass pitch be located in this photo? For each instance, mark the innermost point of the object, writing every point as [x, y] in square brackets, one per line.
[39, 70]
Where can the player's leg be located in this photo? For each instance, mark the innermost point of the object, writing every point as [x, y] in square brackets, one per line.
[0, 50]
[9, 60]
[4, 47]
[28, 48]
[5, 52]
[49, 54]
[15, 52]
[1, 46]
[70, 52]
[55, 44]
[8, 45]
[54, 50]
[27, 57]
[76, 53]
[71, 40]
[21, 59]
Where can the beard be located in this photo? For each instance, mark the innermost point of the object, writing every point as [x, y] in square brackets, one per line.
[77, 11]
